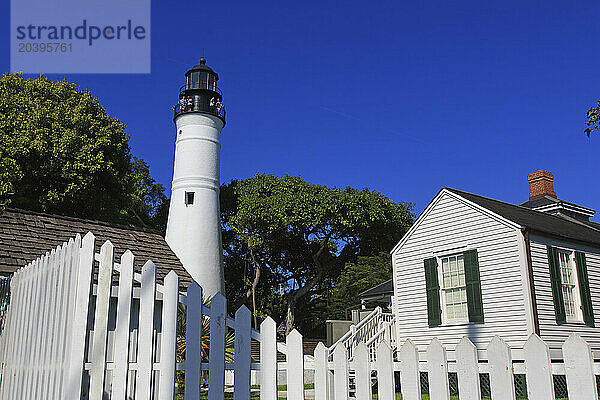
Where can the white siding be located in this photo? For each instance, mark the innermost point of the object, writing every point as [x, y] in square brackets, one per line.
[550, 332]
[449, 224]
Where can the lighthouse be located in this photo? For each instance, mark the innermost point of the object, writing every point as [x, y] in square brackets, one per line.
[193, 227]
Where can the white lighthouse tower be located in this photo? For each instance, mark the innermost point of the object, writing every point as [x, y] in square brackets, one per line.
[193, 227]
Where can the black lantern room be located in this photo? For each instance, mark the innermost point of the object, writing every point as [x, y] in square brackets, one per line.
[200, 93]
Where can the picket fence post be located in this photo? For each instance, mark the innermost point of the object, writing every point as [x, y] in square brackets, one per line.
[340, 372]
[362, 368]
[168, 342]
[410, 381]
[241, 377]
[538, 369]
[268, 360]
[385, 371]
[98, 354]
[502, 383]
[321, 357]
[193, 342]
[579, 368]
[70, 300]
[121, 344]
[216, 357]
[295, 366]
[146, 332]
[79, 325]
[467, 370]
[438, 371]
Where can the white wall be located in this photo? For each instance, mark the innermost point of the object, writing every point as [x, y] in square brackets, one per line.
[449, 223]
[550, 332]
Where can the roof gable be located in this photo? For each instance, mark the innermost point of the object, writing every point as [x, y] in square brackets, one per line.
[26, 235]
[448, 192]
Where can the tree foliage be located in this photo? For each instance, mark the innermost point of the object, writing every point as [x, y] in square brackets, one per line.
[366, 272]
[593, 117]
[301, 236]
[60, 152]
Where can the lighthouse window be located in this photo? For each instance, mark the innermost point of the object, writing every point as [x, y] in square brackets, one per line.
[189, 198]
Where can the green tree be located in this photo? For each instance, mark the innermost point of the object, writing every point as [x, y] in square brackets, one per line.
[366, 272]
[593, 117]
[60, 152]
[304, 234]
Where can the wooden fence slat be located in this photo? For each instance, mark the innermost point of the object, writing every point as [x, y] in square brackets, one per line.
[20, 338]
[362, 371]
[39, 362]
[35, 328]
[48, 390]
[579, 367]
[410, 381]
[216, 356]
[268, 360]
[71, 299]
[121, 342]
[18, 286]
[49, 321]
[16, 318]
[241, 380]
[62, 299]
[467, 370]
[98, 351]
[502, 383]
[168, 340]
[321, 356]
[385, 371]
[340, 372]
[295, 366]
[193, 338]
[79, 322]
[144, 373]
[438, 371]
[538, 369]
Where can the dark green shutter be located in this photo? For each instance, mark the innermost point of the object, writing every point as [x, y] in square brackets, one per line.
[584, 288]
[555, 282]
[434, 311]
[473, 282]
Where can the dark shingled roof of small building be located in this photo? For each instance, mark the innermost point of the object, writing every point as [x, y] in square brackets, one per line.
[26, 235]
[384, 288]
[538, 221]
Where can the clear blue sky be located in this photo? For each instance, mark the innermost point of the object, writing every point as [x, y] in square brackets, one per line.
[401, 97]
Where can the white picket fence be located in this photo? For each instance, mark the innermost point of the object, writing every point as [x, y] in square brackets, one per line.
[80, 325]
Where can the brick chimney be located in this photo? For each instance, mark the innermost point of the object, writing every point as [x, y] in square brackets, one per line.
[540, 184]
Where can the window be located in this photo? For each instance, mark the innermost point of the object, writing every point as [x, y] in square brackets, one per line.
[568, 280]
[189, 198]
[454, 288]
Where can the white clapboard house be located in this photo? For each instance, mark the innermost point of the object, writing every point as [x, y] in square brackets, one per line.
[478, 267]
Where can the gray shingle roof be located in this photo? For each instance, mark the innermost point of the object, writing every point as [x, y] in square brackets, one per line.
[25, 235]
[538, 221]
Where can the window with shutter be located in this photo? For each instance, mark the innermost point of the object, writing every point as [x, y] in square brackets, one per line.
[556, 282]
[473, 283]
[460, 288]
[432, 286]
[584, 288]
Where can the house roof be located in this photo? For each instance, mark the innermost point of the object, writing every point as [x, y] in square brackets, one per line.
[558, 225]
[26, 235]
[383, 288]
